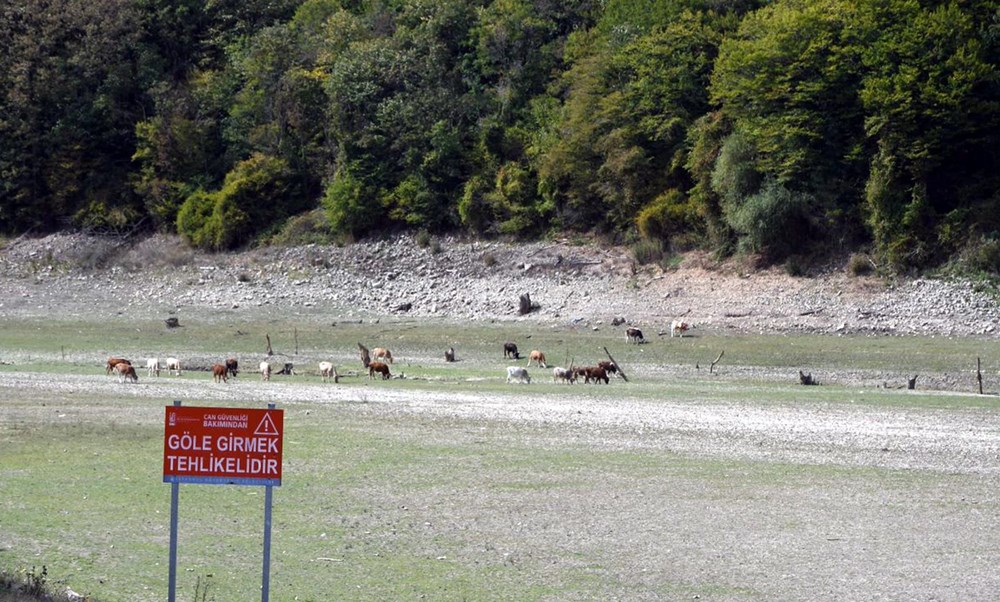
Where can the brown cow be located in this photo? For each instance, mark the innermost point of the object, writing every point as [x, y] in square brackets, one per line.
[381, 353]
[592, 373]
[126, 372]
[219, 373]
[609, 367]
[114, 361]
[538, 357]
[379, 367]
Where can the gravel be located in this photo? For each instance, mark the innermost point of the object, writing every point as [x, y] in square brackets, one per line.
[475, 280]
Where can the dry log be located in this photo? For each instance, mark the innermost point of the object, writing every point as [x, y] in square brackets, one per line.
[711, 369]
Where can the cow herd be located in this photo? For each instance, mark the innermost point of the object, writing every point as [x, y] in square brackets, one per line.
[381, 358]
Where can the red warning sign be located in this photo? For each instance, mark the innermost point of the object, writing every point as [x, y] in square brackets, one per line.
[222, 445]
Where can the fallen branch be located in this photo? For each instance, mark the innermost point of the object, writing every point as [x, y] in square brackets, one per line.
[711, 368]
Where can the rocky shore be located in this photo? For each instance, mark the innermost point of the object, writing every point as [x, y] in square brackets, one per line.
[476, 280]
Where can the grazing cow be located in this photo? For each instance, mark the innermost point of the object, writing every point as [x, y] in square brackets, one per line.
[596, 374]
[152, 367]
[678, 328]
[326, 370]
[232, 367]
[126, 372]
[518, 373]
[609, 367]
[510, 350]
[174, 365]
[563, 374]
[380, 353]
[265, 371]
[538, 357]
[379, 367]
[114, 361]
[220, 373]
[634, 335]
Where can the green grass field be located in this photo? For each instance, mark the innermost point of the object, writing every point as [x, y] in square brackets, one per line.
[380, 506]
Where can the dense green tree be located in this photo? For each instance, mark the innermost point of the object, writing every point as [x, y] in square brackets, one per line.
[71, 93]
[930, 95]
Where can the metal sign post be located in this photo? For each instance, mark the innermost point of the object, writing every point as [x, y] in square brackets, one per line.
[222, 446]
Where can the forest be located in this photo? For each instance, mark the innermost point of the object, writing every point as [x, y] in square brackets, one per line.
[786, 128]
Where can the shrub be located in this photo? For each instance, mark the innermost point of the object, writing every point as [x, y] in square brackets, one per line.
[648, 250]
[859, 265]
[773, 221]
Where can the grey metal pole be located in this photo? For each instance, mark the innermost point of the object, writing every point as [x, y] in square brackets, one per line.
[175, 489]
[266, 586]
[265, 593]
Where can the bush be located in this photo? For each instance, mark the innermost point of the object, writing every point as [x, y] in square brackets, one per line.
[773, 221]
[648, 250]
[311, 227]
[256, 194]
[350, 205]
[859, 265]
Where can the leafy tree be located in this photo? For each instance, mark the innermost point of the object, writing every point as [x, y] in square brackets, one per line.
[930, 94]
[255, 197]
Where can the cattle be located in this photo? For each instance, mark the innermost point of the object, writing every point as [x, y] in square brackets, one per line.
[326, 370]
[114, 361]
[596, 374]
[173, 365]
[563, 374]
[634, 335]
[232, 367]
[379, 367]
[125, 373]
[381, 353]
[519, 374]
[510, 351]
[538, 357]
[609, 367]
[220, 373]
[678, 328]
[152, 367]
[265, 371]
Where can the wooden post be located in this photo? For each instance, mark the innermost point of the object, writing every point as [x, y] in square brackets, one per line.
[979, 374]
[711, 368]
[270, 352]
[525, 304]
[366, 357]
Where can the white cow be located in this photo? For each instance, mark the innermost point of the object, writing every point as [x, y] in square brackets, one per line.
[518, 373]
[562, 374]
[265, 371]
[678, 328]
[153, 367]
[173, 365]
[327, 370]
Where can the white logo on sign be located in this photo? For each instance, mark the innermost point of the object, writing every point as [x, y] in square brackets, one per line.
[266, 427]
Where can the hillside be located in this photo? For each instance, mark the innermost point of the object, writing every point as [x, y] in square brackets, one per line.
[582, 284]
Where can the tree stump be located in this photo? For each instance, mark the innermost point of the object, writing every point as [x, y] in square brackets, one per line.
[807, 379]
[172, 322]
[525, 305]
[449, 354]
